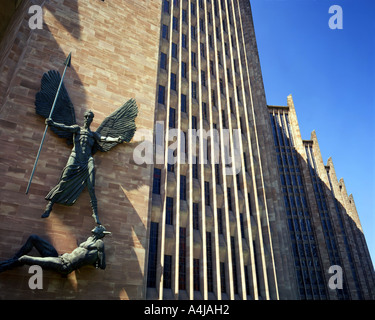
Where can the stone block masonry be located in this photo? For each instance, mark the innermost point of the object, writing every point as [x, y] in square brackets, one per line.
[114, 47]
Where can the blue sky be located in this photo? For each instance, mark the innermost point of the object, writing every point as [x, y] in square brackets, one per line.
[331, 76]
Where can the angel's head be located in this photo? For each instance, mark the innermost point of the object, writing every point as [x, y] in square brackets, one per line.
[89, 115]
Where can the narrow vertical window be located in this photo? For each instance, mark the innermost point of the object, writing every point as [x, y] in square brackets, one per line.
[229, 199]
[193, 90]
[238, 94]
[196, 275]
[192, 7]
[223, 118]
[161, 94]
[175, 24]
[203, 78]
[174, 50]
[193, 33]
[173, 81]
[193, 122]
[231, 105]
[222, 277]
[203, 53]
[183, 70]
[195, 169]
[217, 173]
[167, 276]
[193, 59]
[247, 282]
[182, 187]
[163, 61]
[249, 200]
[201, 25]
[210, 286]
[152, 255]
[213, 97]
[242, 226]
[184, 16]
[221, 86]
[204, 110]
[170, 166]
[207, 193]
[166, 6]
[220, 221]
[165, 32]
[172, 118]
[156, 183]
[195, 216]
[234, 265]
[169, 211]
[184, 145]
[256, 264]
[182, 260]
[183, 102]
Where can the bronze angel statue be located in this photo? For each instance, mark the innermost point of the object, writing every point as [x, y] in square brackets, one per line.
[79, 171]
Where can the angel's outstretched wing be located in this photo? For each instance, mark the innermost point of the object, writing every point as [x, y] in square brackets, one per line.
[119, 124]
[64, 109]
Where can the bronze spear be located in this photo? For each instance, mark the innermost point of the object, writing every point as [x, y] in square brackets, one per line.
[67, 64]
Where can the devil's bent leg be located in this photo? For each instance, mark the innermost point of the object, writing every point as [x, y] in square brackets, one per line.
[44, 248]
[48, 263]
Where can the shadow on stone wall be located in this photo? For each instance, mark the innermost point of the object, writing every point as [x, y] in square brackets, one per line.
[324, 229]
[30, 55]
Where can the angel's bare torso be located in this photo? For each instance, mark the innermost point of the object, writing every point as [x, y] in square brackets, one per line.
[79, 170]
[83, 142]
[83, 137]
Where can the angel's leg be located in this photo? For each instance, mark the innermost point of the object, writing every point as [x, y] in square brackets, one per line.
[48, 209]
[91, 188]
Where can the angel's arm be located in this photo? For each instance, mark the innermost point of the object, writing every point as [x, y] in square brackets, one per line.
[101, 263]
[73, 128]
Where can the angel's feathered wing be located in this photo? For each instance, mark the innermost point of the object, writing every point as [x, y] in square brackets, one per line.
[121, 123]
[64, 109]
